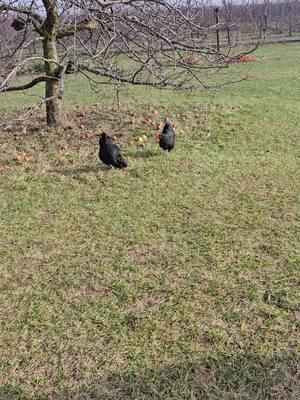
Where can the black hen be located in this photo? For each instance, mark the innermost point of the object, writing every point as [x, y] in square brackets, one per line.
[167, 137]
[110, 153]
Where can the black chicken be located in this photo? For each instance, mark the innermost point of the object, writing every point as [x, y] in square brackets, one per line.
[167, 137]
[110, 153]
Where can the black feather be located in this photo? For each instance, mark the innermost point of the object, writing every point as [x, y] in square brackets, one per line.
[167, 137]
[110, 153]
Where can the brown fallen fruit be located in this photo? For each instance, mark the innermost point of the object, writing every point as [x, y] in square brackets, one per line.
[3, 168]
[22, 129]
[84, 136]
[21, 158]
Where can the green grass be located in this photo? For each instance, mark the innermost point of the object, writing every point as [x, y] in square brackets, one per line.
[176, 279]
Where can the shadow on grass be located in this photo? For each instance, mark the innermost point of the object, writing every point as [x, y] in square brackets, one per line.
[246, 376]
[80, 170]
[148, 153]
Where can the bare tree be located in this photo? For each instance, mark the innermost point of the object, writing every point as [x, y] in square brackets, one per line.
[165, 44]
[291, 8]
[227, 8]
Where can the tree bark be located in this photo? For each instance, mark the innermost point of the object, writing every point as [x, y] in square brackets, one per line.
[52, 89]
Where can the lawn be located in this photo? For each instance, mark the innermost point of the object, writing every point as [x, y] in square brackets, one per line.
[175, 279]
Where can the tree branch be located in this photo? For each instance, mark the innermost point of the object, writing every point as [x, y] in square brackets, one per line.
[70, 30]
[13, 72]
[28, 85]
[22, 10]
[163, 83]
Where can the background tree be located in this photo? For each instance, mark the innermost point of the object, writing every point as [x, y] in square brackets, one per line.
[227, 9]
[291, 8]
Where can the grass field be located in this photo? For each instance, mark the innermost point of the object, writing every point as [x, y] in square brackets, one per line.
[175, 279]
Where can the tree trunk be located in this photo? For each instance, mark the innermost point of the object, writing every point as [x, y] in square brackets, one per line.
[216, 10]
[290, 26]
[52, 90]
[228, 35]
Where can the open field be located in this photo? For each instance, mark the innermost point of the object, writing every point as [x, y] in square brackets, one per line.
[175, 279]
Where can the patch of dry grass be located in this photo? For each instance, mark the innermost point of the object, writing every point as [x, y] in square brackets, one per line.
[175, 279]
